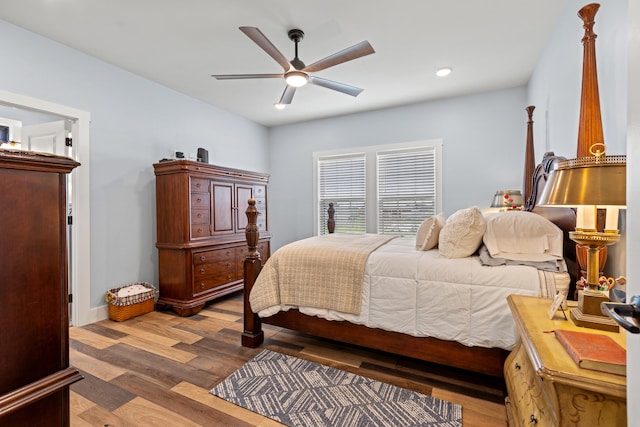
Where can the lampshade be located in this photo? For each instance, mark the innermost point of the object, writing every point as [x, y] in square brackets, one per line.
[507, 199]
[587, 181]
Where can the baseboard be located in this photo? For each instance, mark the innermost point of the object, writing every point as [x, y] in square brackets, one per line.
[94, 315]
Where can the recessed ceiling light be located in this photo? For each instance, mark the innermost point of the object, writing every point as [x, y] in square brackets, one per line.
[443, 72]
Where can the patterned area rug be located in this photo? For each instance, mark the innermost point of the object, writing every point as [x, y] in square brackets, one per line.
[297, 392]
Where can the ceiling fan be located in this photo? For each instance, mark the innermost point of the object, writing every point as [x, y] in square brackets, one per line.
[296, 73]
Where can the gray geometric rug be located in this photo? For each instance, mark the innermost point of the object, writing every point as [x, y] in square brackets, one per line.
[297, 392]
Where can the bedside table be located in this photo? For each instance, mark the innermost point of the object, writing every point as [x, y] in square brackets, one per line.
[545, 386]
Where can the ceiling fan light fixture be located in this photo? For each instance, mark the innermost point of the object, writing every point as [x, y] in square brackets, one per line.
[296, 78]
[279, 106]
[443, 72]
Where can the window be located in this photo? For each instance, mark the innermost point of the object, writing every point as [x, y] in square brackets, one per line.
[341, 181]
[386, 189]
[406, 190]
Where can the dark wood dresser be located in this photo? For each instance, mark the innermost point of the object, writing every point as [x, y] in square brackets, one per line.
[34, 310]
[200, 213]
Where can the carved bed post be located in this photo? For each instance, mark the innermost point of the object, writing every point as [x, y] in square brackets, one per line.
[252, 335]
[331, 222]
[590, 122]
[529, 157]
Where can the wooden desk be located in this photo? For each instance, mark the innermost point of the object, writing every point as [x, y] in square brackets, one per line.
[545, 386]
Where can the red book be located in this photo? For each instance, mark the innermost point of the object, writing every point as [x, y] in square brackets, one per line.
[594, 351]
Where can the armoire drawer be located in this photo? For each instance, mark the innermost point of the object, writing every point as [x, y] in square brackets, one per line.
[224, 267]
[259, 191]
[211, 282]
[200, 230]
[200, 200]
[200, 216]
[199, 185]
[214, 255]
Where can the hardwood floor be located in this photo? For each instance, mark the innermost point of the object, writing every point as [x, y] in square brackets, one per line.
[157, 370]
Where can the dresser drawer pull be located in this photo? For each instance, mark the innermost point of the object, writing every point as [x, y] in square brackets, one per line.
[228, 278]
[199, 200]
[229, 253]
[533, 420]
[199, 215]
[202, 287]
[518, 367]
[198, 185]
[228, 265]
[203, 258]
[202, 271]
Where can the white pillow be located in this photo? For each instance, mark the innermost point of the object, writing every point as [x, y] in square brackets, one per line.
[429, 231]
[462, 234]
[522, 236]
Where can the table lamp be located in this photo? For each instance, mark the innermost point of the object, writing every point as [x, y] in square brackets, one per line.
[589, 184]
[507, 199]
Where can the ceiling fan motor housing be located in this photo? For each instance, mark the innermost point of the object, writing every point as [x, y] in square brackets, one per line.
[296, 36]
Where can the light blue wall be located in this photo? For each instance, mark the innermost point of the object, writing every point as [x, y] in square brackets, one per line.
[483, 150]
[134, 123]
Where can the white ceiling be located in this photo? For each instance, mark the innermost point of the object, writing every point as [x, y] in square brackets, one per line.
[490, 44]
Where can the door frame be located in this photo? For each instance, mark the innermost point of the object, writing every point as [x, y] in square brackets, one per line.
[80, 272]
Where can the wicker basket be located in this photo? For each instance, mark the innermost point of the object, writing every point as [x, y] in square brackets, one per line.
[126, 307]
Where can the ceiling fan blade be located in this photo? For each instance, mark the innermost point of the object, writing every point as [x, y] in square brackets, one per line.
[287, 95]
[246, 76]
[340, 87]
[261, 40]
[356, 51]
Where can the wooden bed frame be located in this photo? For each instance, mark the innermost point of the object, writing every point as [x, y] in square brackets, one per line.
[489, 361]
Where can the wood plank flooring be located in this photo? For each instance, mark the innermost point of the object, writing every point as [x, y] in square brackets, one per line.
[157, 370]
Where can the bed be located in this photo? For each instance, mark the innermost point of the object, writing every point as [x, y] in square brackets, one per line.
[412, 302]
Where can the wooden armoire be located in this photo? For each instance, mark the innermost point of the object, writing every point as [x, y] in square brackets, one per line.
[200, 214]
[34, 298]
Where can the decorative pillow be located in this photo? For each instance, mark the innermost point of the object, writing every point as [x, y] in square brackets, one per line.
[462, 234]
[427, 235]
[522, 236]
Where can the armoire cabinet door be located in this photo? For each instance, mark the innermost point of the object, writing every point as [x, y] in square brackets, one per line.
[222, 194]
[243, 194]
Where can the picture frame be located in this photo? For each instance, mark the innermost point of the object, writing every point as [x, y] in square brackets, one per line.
[557, 303]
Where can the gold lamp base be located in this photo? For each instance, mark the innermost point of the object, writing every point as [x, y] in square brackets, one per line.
[588, 313]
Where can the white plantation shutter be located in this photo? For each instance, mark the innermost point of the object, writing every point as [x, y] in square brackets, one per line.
[342, 180]
[406, 189]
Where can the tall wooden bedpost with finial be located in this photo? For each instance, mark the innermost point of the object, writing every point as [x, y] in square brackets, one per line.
[253, 334]
[590, 133]
[529, 157]
[590, 122]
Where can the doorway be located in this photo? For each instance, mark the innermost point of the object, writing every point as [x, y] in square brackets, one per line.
[13, 106]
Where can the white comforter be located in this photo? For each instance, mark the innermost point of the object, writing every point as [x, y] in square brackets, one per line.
[422, 294]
